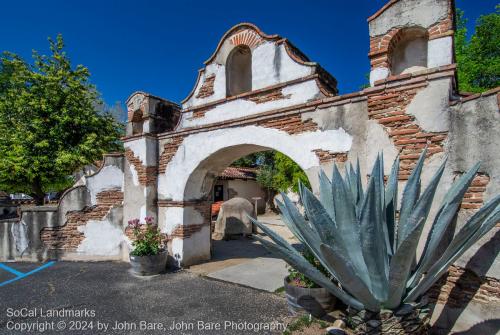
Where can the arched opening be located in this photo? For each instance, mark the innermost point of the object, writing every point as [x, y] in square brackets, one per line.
[239, 71]
[237, 257]
[408, 51]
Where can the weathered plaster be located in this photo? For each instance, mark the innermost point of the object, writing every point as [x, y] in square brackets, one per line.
[440, 51]
[296, 94]
[430, 106]
[109, 177]
[102, 238]
[378, 73]
[422, 13]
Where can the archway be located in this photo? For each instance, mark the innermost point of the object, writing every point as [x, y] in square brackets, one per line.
[236, 256]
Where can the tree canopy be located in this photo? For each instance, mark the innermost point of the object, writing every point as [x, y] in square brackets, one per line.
[478, 58]
[51, 122]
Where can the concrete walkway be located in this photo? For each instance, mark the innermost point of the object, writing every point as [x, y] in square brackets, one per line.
[246, 262]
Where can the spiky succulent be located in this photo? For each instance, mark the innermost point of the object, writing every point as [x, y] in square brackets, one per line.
[366, 246]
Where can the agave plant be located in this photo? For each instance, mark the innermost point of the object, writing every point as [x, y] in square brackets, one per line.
[366, 246]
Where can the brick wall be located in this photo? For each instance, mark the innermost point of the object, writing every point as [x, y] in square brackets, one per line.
[473, 198]
[459, 286]
[207, 88]
[388, 108]
[169, 150]
[329, 156]
[67, 237]
[272, 95]
[147, 175]
[291, 124]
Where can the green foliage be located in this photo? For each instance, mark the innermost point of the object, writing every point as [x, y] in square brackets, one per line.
[478, 59]
[366, 247]
[147, 238]
[50, 125]
[288, 174]
[276, 171]
[299, 279]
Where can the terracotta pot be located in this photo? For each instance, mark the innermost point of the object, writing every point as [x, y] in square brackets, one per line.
[314, 301]
[149, 265]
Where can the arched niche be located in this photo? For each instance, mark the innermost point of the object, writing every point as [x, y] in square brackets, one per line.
[408, 52]
[239, 71]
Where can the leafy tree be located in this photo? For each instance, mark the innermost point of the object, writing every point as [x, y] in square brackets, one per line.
[478, 59]
[288, 174]
[50, 123]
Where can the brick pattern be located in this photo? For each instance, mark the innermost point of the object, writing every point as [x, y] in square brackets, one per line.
[326, 156]
[246, 37]
[67, 237]
[292, 124]
[147, 174]
[168, 152]
[272, 95]
[473, 198]
[186, 231]
[207, 88]
[200, 112]
[388, 108]
[460, 286]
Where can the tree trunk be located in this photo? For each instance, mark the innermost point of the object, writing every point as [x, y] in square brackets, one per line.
[270, 200]
[38, 194]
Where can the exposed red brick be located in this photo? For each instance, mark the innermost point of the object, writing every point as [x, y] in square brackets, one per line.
[207, 88]
[460, 286]
[147, 174]
[474, 197]
[388, 108]
[169, 150]
[292, 124]
[68, 237]
[329, 156]
[273, 95]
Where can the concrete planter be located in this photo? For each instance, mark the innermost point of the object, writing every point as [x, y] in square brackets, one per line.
[314, 301]
[149, 265]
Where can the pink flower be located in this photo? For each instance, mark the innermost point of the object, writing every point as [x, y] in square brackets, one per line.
[149, 220]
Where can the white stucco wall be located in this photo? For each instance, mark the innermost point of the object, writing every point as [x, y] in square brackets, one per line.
[430, 106]
[440, 52]
[299, 93]
[102, 238]
[271, 65]
[108, 178]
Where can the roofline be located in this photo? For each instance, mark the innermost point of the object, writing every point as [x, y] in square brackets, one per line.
[152, 96]
[381, 10]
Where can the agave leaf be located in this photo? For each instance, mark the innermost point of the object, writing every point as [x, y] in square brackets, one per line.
[459, 248]
[391, 204]
[347, 225]
[441, 222]
[319, 218]
[349, 277]
[401, 264]
[302, 265]
[424, 203]
[274, 236]
[308, 236]
[373, 239]
[378, 173]
[358, 182]
[325, 194]
[410, 197]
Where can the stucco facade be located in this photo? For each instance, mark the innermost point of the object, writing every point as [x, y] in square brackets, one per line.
[173, 153]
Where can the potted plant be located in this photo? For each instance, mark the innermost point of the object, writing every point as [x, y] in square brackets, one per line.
[370, 248]
[305, 296]
[148, 256]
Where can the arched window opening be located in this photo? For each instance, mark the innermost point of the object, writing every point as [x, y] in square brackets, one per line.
[239, 71]
[409, 52]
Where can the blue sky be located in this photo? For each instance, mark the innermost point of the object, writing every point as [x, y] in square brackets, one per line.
[158, 46]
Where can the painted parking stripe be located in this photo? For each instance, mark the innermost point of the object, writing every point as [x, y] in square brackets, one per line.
[22, 275]
[11, 270]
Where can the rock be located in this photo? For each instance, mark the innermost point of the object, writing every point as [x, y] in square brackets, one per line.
[233, 219]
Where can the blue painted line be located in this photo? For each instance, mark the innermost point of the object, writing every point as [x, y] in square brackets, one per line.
[11, 270]
[24, 275]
